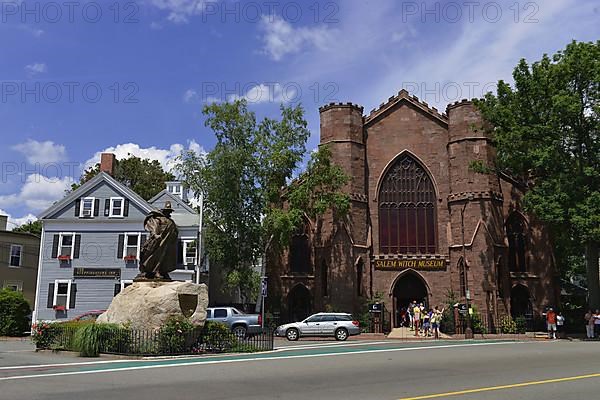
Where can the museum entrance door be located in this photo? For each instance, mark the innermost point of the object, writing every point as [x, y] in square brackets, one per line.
[408, 287]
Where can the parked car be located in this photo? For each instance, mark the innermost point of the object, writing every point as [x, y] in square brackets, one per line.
[241, 324]
[89, 316]
[338, 325]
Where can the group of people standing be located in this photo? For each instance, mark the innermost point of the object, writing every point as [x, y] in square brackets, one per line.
[425, 322]
[592, 324]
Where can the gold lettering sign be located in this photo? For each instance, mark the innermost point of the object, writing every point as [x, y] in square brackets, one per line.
[108, 273]
[424, 264]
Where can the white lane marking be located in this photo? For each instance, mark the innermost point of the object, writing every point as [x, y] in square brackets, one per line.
[8, 378]
[328, 344]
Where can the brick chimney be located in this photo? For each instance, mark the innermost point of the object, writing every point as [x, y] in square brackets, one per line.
[107, 163]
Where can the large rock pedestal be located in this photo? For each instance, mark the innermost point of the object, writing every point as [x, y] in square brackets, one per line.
[148, 305]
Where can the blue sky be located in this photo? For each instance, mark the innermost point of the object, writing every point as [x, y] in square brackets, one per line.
[133, 77]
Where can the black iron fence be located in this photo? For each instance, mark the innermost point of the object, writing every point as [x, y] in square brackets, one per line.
[487, 324]
[125, 341]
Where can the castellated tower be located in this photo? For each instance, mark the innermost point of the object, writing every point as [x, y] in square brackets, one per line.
[341, 260]
[475, 205]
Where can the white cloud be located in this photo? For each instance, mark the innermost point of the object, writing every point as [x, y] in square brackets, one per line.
[36, 68]
[16, 222]
[280, 38]
[268, 93]
[166, 157]
[179, 10]
[38, 192]
[190, 96]
[41, 152]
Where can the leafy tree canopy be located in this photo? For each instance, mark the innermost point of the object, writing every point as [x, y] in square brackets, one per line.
[242, 181]
[34, 227]
[547, 131]
[145, 177]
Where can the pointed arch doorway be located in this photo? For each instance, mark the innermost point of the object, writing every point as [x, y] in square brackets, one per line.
[409, 286]
[299, 303]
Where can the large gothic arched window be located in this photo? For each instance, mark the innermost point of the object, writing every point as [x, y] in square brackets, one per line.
[407, 220]
[516, 230]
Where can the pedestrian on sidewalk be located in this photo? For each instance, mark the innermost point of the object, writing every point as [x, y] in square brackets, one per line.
[416, 318]
[436, 319]
[560, 325]
[427, 323]
[597, 324]
[589, 324]
[411, 317]
[551, 322]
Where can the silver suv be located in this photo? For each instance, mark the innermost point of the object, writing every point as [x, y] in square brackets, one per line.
[338, 325]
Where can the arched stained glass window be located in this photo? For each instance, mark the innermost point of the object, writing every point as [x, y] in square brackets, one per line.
[407, 210]
[516, 230]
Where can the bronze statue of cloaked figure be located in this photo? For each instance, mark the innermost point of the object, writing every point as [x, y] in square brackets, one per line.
[158, 255]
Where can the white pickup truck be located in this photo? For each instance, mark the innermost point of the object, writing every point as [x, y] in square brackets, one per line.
[241, 324]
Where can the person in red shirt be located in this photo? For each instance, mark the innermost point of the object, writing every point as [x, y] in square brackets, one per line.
[551, 322]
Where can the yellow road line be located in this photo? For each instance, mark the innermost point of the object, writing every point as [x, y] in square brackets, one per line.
[515, 385]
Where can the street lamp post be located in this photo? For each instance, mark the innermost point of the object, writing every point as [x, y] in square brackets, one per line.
[468, 330]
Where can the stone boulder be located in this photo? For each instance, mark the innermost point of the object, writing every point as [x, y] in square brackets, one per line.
[148, 305]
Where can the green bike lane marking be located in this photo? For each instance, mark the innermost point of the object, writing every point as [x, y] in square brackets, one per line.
[132, 365]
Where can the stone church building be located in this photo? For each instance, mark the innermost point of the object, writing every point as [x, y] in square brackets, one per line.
[422, 223]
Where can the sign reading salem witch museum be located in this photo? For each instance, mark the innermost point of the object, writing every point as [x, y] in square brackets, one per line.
[423, 264]
[106, 273]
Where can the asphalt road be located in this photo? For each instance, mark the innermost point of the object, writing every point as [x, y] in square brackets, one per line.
[353, 370]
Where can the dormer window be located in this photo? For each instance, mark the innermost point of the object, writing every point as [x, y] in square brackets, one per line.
[117, 207]
[87, 207]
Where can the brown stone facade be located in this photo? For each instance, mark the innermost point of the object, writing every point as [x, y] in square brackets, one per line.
[418, 209]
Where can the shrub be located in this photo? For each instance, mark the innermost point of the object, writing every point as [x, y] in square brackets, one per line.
[14, 319]
[217, 337]
[90, 339]
[43, 334]
[477, 322]
[521, 324]
[507, 325]
[174, 336]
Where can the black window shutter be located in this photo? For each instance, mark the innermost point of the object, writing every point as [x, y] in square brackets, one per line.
[126, 208]
[120, 246]
[96, 207]
[106, 207]
[117, 288]
[179, 252]
[55, 246]
[73, 295]
[77, 207]
[77, 246]
[50, 296]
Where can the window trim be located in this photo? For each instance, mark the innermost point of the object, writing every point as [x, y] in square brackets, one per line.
[60, 243]
[111, 213]
[56, 283]
[17, 284]
[82, 207]
[185, 241]
[10, 256]
[139, 244]
[124, 282]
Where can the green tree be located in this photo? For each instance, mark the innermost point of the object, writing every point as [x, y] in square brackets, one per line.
[546, 129]
[242, 181]
[34, 227]
[145, 177]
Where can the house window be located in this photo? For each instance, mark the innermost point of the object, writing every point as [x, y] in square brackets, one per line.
[62, 293]
[16, 286]
[66, 245]
[87, 207]
[189, 252]
[132, 245]
[407, 209]
[300, 252]
[125, 283]
[116, 206]
[16, 253]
